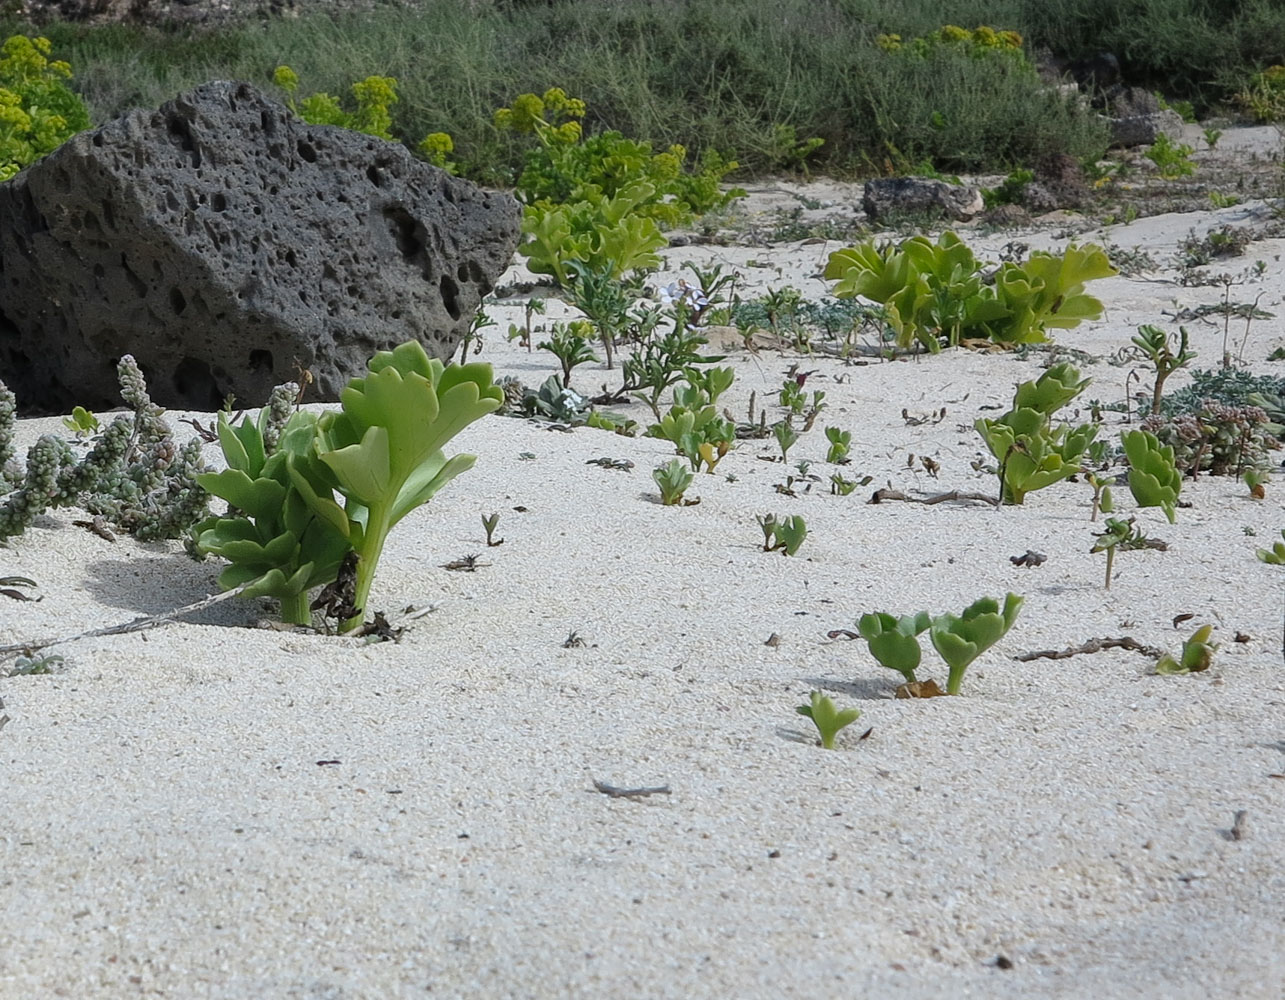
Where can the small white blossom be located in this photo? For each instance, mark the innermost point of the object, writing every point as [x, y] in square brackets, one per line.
[691, 296]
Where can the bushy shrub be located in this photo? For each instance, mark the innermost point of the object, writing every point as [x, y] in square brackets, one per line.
[38, 111]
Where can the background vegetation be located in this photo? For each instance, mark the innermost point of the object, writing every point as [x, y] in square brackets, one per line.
[751, 79]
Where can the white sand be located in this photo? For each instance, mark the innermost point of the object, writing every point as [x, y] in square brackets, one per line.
[166, 827]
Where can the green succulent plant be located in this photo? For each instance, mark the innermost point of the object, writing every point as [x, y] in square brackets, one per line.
[892, 640]
[828, 719]
[840, 442]
[381, 453]
[1154, 480]
[1032, 453]
[274, 542]
[1197, 654]
[673, 480]
[1275, 556]
[961, 639]
[933, 291]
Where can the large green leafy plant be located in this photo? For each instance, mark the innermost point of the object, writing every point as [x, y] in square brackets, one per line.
[38, 111]
[339, 483]
[934, 294]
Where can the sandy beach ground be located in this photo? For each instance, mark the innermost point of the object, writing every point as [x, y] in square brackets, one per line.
[213, 809]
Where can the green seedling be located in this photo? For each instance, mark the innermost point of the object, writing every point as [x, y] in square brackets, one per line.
[29, 666]
[81, 421]
[768, 523]
[489, 522]
[892, 640]
[570, 345]
[381, 452]
[842, 486]
[784, 534]
[828, 719]
[1154, 480]
[792, 397]
[960, 640]
[1212, 135]
[785, 436]
[673, 480]
[712, 382]
[790, 534]
[1102, 499]
[814, 409]
[1119, 534]
[1155, 346]
[840, 442]
[697, 432]
[1197, 654]
[1275, 556]
[1256, 481]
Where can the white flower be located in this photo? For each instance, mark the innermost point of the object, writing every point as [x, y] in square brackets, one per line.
[689, 295]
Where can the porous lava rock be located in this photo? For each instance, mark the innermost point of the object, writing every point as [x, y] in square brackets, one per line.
[227, 245]
[887, 197]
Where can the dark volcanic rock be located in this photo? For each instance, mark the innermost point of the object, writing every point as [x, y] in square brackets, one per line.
[225, 244]
[892, 196]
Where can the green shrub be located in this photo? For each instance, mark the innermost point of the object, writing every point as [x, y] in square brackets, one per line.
[38, 111]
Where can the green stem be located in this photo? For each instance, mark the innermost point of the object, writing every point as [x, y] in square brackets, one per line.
[296, 610]
[368, 553]
[955, 679]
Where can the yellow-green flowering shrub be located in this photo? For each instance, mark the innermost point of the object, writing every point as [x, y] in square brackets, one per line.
[980, 42]
[374, 95]
[566, 167]
[38, 111]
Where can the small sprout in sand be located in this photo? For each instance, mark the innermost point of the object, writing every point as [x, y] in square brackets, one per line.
[25, 666]
[1197, 654]
[1275, 556]
[840, 442]
[673, 480]
[1102, 499]
[1121, 535]
[828, 719]
[489, 522]
[785, 534]
[82, 422]
[960, 640]
[842, 486]
[1256, 480]
[785, 437]
[892, 640]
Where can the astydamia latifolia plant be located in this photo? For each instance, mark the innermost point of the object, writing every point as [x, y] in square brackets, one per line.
[1031, 452]
[1197, 654]
[381, 453]
[275, 543]
[828, 719]
[961, 639]
[783, 534]
[673, 480]
[1154, 480]
[893, 641]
